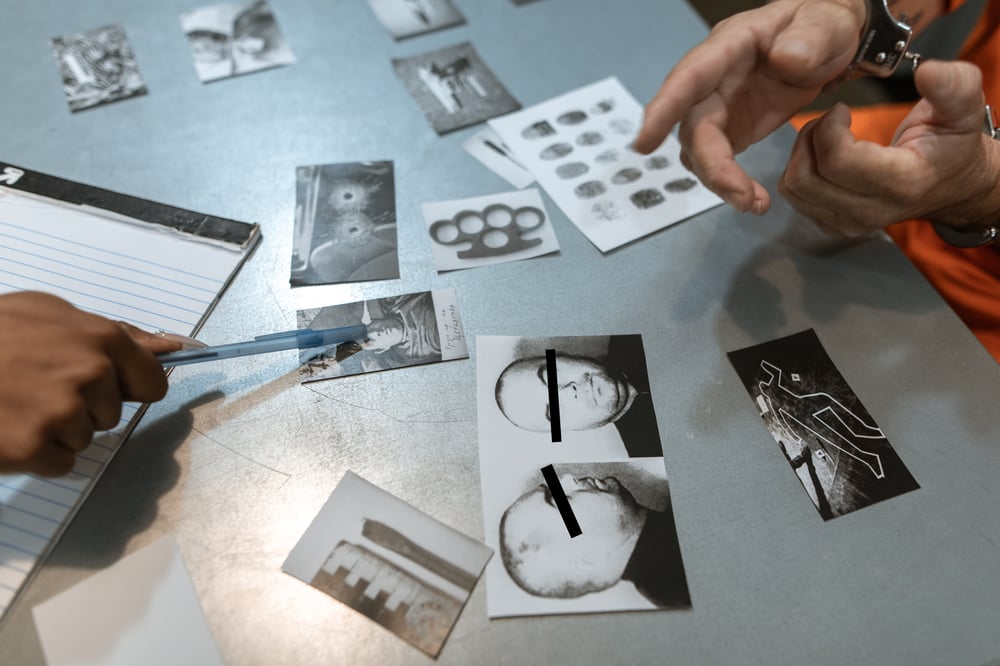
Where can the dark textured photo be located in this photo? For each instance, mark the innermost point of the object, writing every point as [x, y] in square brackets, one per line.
[454, 87]
[407, 18]
[97, 67]
[345, 224]
[235, 38]
[390, 562]
[840, 455]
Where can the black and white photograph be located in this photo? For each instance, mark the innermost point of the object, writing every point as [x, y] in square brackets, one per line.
[345, 224]
[390, 562]
[626, 556]
[406, 330]
[454, 87]
[408, 18]
[235, 38]
[492, 229]
[838, 452]
[97, 67]
[603, 398]
[487, 147]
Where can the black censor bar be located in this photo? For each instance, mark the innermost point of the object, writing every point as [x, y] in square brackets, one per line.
[553, 384]
[569, 518]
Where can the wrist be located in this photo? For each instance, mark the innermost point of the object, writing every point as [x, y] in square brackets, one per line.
[974, 220]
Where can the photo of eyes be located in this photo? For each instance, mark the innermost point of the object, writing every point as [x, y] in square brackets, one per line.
[575, 495]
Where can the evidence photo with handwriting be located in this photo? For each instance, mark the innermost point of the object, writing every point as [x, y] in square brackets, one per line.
[390, 562]
[409, 329]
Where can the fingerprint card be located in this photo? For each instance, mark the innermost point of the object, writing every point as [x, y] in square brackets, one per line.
[410, 329]
[839, 454]
[390, 562]
[578, 146]
[492, 229]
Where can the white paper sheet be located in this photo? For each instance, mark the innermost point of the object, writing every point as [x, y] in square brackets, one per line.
[578, 147]
[141, 610]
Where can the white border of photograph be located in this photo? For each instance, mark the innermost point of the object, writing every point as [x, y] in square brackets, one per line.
[446, 256]
[609, 219]
[141, 610]
[342, 518]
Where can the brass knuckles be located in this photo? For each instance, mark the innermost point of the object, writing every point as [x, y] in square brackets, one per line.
[884, 42]
[496, 230]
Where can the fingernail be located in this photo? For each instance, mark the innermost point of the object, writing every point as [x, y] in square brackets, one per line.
[185, 341]
[758, 207]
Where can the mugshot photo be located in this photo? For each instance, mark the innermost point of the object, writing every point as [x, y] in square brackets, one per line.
[603, 399]
[626, 556]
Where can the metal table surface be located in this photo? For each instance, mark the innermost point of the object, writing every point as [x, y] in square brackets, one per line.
[238, 458]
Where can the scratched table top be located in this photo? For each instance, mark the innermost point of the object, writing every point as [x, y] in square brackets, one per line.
[238, 458]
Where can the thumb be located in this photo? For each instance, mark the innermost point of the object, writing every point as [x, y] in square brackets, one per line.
[151, 342]
[954, 91]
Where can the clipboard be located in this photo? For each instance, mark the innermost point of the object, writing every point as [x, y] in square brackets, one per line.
[155, 266]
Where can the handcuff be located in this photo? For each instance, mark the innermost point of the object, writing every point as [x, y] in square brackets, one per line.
[885, 44]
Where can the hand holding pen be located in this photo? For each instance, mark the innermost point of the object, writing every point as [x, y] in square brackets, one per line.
[65, 373]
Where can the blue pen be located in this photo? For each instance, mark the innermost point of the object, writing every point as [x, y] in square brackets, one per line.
[304, 338]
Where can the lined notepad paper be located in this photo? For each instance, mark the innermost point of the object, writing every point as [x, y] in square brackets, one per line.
[153, 277]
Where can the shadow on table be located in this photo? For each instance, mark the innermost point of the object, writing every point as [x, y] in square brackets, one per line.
[124, 501]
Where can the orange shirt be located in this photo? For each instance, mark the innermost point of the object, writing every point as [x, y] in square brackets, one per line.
[969, 280]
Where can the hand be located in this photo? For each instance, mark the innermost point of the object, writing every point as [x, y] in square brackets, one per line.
[753, 72]
[64, 374]
[939, 165]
